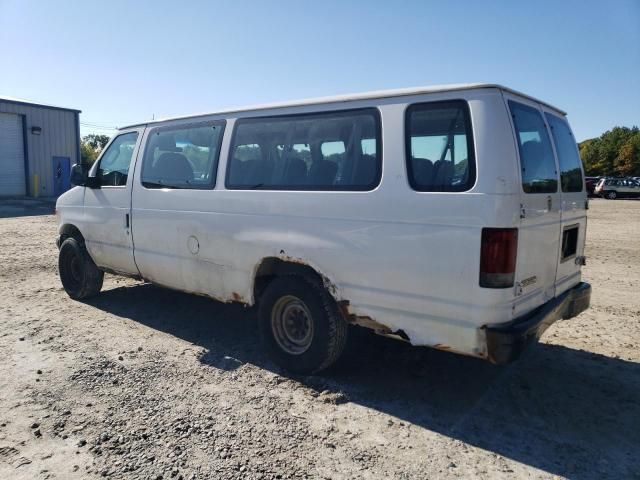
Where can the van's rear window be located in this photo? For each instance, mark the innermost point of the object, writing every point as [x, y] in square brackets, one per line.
[568, 157]
[439, 147]
[537, 163]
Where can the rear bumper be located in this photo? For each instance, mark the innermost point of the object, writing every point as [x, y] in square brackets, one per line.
[506, 341]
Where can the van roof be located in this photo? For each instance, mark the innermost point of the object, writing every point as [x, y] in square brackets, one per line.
[400, 92]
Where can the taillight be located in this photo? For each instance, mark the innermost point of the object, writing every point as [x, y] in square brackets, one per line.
[498, 252]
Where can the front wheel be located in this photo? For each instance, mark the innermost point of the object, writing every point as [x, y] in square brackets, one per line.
[612, 195]
[301, 325]
[80, 277]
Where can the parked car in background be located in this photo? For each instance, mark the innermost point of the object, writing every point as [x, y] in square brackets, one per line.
[590, 184]
[613, 188]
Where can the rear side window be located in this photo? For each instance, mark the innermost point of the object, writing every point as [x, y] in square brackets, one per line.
[568, 157]
[184, 156]
[439, 147]
[324, 151]
[536, 155]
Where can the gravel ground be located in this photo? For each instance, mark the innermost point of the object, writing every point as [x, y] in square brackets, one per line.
[142, 382]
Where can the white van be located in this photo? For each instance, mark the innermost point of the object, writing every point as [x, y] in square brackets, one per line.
[452, 217]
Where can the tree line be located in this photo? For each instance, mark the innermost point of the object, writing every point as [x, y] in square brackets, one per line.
[614, 153]
[91, 146]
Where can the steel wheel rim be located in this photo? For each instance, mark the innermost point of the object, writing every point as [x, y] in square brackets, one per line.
[292, 325]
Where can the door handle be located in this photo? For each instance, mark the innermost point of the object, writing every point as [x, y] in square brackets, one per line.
[126, 220]
[549, 202]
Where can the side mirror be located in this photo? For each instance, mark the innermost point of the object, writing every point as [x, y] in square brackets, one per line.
[80, 176]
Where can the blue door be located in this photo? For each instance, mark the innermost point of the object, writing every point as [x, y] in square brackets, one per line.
[61, 175]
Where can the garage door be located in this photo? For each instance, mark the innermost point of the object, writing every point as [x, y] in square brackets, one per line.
[12, 177]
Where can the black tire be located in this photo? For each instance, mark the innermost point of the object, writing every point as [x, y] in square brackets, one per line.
[611, 195]
[328, 326]
[80, 277]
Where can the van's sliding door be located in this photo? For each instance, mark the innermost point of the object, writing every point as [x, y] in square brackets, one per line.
[174, 232]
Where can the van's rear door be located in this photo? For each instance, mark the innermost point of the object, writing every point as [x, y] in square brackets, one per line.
[540, 206]
[573, 202]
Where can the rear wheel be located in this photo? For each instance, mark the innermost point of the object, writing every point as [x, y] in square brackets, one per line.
[80, 277]
[611, 195]
[301, 325]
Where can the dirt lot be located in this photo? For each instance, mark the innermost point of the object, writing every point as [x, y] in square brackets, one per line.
[148, 383]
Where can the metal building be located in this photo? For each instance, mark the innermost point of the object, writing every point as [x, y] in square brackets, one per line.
[38, 145]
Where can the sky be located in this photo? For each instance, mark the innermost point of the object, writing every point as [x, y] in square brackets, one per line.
[124, 62]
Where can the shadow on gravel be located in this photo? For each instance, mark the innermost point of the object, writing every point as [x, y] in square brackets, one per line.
[26, 207]
[567, 412]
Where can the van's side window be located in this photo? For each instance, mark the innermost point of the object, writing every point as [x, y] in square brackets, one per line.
[568, 157]
[184, 156]
[538, 166]
[439, 147]
[323, 151]
[113, 169]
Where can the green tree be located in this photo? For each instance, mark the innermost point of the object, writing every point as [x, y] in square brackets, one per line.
[589, 154]
[87, 153]
[615, 153]
[97, 142]
[628, 161]
[91, 146]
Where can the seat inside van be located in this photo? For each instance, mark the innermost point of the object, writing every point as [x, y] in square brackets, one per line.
[422, 171]
[172, 166]
[295, 172]
[322, 172]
